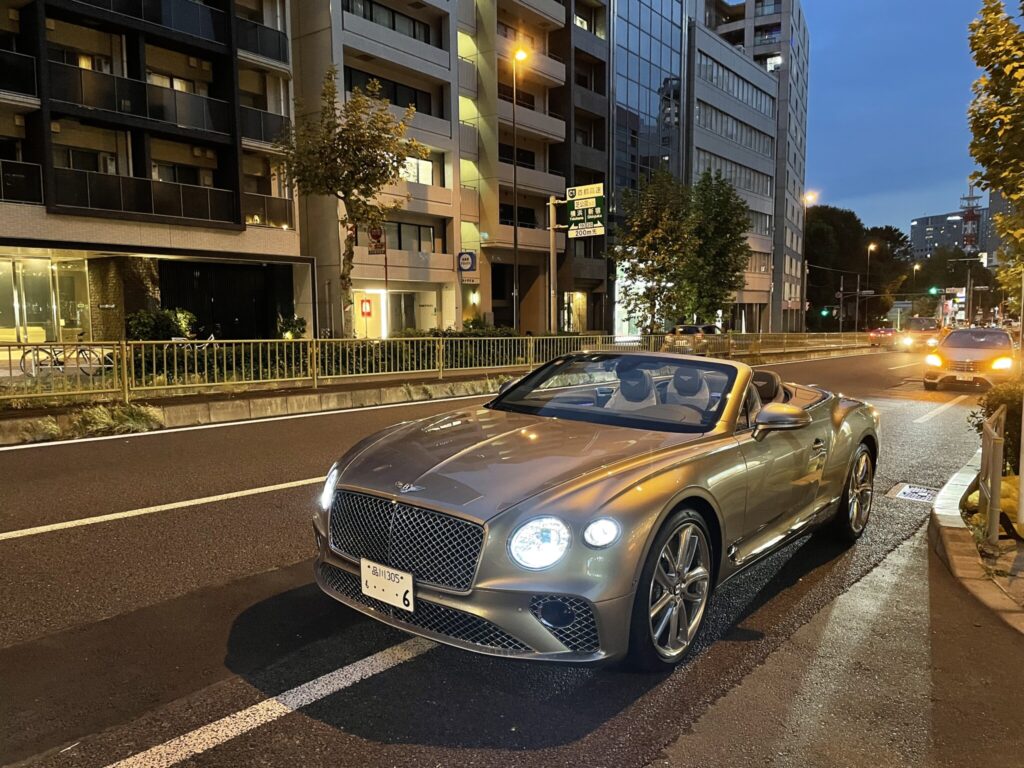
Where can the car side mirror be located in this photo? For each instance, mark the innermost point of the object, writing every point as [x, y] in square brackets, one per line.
[777, 417]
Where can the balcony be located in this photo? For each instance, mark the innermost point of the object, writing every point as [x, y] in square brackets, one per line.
[532, 180]
[540, 67]
[20, 182]
[98, 90]
[467, 77]
[267, 211]
[469, 141]
[531, 237]
[259, 125]
[469, 203]
[384, 42]
[546, 14]
[17, 73]
[130, 194]
[767, 9]
[262, 40]
[532, 122]
[186, 16]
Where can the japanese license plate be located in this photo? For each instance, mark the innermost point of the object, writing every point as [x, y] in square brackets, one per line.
[964, 377]
[388, 585]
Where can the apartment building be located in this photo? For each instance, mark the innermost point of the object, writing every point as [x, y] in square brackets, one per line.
[136, 167]
[774, 34]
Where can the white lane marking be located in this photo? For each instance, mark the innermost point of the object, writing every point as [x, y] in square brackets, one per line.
[819, 359]
[941, 409]
[214, 734]
[908, 365]
[158, 508]
[241, 423]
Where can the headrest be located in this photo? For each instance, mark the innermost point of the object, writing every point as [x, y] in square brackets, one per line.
[687, 382]
[768, 385]
[636, 385]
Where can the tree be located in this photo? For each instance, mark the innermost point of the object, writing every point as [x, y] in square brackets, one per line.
[654, 234]
[836, 248]
[996, 118]
[713, 268]
[351, 152]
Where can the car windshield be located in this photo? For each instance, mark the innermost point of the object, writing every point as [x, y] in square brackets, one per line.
[629, 390]
[978, 338]
[922, 324]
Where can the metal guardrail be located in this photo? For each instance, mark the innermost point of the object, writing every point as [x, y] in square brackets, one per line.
[990, 478]
[166, 368]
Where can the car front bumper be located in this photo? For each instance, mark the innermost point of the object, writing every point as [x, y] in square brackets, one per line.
[493, 622]
[989, 377]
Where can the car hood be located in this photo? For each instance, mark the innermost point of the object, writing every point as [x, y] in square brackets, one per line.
[481, 462]
[971, 354]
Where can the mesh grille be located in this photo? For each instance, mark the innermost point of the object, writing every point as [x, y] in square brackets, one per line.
[580, 636]
[436, 548]
[429, 616]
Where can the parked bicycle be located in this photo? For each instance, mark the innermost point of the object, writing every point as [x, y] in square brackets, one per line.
[44, 360]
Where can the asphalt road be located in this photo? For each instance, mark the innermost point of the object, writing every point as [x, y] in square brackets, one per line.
[119, 635]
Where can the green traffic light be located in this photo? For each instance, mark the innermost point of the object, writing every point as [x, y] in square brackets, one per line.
[824, 313]
[934, 291]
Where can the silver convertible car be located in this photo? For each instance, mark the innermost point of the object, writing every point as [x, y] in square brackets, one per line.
[590, 510]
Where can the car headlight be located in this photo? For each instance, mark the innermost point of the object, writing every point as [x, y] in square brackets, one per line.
[539, 543]
[601, 533]
[933, 342]
[906, 341]
[327, 494]
[934, 361]
[1002, 364]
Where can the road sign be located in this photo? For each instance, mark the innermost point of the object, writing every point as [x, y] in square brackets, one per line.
[867, 293]
[585, 205]
[981, 288]
[378, 242]
[366, 308]
[467, 261]
[839, 294]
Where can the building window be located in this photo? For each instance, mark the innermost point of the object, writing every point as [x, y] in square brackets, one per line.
[398, 94]
[418, 170]
[182, 174]
[759, 262]
[761, 223]
[384, 16]
[527, 158]
[729, 127]
[84, 160]
[402, 236]
[523, 98]
[740, 176]
[527, 216]
[723, 78]
[511, 33]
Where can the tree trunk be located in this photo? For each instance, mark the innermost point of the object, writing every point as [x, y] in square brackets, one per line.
[348, 328]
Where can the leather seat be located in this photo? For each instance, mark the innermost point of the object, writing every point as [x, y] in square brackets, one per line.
[769, 386]
[689, 387]
[636, 391]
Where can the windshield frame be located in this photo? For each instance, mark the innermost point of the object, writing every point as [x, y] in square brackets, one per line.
[615, 419]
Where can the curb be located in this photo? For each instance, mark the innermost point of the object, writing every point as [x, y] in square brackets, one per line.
[953, 542]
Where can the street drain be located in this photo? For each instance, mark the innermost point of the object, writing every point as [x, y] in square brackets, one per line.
[912, 493]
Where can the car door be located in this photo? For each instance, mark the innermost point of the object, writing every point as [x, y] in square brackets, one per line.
[784, 471]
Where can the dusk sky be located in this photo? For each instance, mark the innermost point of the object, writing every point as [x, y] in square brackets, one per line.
[890, 85]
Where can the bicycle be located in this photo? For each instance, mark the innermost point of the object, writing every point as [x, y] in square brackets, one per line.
[44, 360]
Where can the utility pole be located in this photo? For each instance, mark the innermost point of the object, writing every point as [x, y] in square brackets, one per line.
[841, 302]
[552, 268]
[856, 312]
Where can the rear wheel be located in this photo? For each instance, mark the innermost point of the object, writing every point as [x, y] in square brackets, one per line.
[855, 508]
[673, 593]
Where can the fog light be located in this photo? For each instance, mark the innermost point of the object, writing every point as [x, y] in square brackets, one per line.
[557, 614]
[934, 361]
[601, 533]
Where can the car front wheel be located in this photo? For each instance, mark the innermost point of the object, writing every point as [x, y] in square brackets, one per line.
[855, 508]
[673, 593]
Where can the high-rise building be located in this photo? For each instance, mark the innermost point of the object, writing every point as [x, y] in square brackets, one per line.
[136, 167]
[946, 230]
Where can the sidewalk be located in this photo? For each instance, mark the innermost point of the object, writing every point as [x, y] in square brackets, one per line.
[905, 651]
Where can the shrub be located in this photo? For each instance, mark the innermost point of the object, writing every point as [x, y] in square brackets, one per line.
[291, 327]
[115, 420]
[1008, 394]
[41, 430]
[159, 324]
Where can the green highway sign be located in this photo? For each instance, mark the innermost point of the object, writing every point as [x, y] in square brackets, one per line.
[585, 205]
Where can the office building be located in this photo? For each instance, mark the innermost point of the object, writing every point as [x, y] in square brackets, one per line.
[946, 230]
[136, 167]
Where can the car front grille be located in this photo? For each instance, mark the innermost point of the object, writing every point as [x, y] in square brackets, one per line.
[428, 616]
[964, 366]
[581, 635]
[435, 548]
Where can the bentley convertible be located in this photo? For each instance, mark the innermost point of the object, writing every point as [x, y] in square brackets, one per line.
[592, 508]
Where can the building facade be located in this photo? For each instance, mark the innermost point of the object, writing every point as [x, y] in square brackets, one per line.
[946, 230]
[136, 168]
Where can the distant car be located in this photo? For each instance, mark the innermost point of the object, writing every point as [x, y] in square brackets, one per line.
[591, 509]
[972, 356]
[882, 337]
[919, 333]
[691, 339]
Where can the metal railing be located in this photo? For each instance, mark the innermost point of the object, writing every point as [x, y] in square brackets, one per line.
[21, 182]
[267, 211]
[262, 40]
[167, 368]
[990, 478]
[17, 72]
[134, 194]
[260, 125]
[188, 16]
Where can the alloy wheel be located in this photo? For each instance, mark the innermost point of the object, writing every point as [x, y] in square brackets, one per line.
[861, 491]
[679, 590]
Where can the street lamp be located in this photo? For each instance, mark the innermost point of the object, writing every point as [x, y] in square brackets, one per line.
[518, 57]
[810, 197]
[867, 282]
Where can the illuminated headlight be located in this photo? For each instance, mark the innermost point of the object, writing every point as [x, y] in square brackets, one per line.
[539, 543]
[933, 342]
[934, 361]
[906, 341]
[601, 533]
[1002, 364]
[327, 494]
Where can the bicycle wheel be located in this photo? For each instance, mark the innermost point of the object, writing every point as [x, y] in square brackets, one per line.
[92, 363]
[37, 361]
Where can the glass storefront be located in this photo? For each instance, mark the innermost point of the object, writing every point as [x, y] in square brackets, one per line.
[378, 314]
[43, 300]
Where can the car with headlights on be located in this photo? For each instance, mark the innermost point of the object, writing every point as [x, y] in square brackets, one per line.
[919, 333]
[883, 337]
[972, 356]
[591, 509]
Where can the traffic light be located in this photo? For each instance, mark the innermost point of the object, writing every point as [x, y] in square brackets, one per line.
[825, 313]
[934, 291]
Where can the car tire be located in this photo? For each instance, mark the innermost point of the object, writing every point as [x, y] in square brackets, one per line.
[683, 588]
[858, 496]
[931, 386]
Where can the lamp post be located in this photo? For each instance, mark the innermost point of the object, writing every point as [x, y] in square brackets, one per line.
[867, 284]
[810, 198]
[517, 57]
